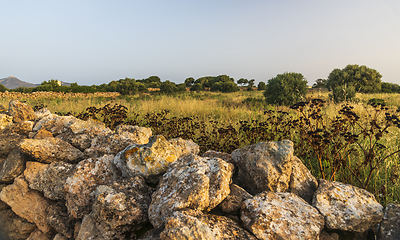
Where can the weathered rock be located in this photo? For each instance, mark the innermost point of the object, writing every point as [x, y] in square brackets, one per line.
[14, 227]
[390, 226]
[43, 133]
[192, 182]
[184, 147]
[121, 207]
[3, 110]
[3, 205]
[59, 219]
[41, 113]
[59, 236]
[48, 178]
[346, 207]
[272, 215]
[38, 235]
[20, 111]
[108, 143]
[232, 203]
[55, 124]
[153, 234]
[13, 166]
[50, 150]
[138, 134]
[302, 182]
[265, 166]
[326, 236]
[88, 174]
[88, 229]
[224, 156]
[152, 159]
[8, 142]
[81, 133]
[5, 121]
[26, 203]
[22, 128]
[192, 224]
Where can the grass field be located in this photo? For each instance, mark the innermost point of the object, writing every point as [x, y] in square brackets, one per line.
[331, 142]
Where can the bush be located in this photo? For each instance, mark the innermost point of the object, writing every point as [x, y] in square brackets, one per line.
[261, 86]
[3, 88]
[286, 89]
[343, 93]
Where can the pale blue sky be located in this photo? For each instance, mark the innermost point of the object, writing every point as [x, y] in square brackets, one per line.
[94, 42]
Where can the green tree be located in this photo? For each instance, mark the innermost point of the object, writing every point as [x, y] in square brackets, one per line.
[224, 87]
[3, 88]
[189, 81]
[168, 87]
[261, 86]
[197, 87]
[343, 93]
[242, 81]
[286, 89]
[320, 83]
[363, 78]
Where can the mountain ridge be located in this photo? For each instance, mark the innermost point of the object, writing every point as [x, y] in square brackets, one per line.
[13, 82]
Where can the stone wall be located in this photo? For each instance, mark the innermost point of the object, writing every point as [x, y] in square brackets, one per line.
[64, 178]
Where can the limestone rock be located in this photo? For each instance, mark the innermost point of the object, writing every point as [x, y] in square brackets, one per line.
[272, 215]
[149, 160]
[326, 236]
[26, 203]
[14, 227]
[41, 113]
[346, 207]
[153, 234]
[38, 235]
[5, 121]
[214, 154]
[3, 110]
[140, 135]
[22, 128]
[265, 166]
[3, 205]
[121, 207]
[50, 150]
[302, 182]
[193, 224]
[184, 147]
[192, 182]
[55, 124]
[59, 236]
[48, 178]
[20, 111]
[88, 229]
[13, 166]
[234, 200]
[390, 226]
[8, 142]
[88, 174]
[59, 219]
[108, 143]
[42, 134]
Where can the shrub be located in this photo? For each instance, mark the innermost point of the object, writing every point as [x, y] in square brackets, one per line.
[343, 93]
[286, 89]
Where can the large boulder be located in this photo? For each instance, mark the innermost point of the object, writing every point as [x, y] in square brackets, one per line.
[3, 205]
[13, 227]
[192, 182]
[48, 178]
[389, 228]
[41, 113]
[265, 166]
[13, 166]
[88, 174]
[272, 215]
[152, 159]
[121, 207]
[50, 150]
[26, 203]
[39, 235]
[54, 123]
[23, 128]
[138, 134]
[20, 111]
[302, 182]
[194, 224]
[346, 207]
[88, 229]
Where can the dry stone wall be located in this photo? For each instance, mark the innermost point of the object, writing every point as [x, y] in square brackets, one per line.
[64, 178]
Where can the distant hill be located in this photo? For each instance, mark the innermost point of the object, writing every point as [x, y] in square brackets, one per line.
[13, 82]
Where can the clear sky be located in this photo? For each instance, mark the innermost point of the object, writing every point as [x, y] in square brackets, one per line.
[95, 42]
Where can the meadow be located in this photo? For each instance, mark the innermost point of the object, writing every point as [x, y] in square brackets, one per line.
[356, 143]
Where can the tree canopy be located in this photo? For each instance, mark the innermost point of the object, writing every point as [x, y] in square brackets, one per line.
[363, 78]
[286, 89]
